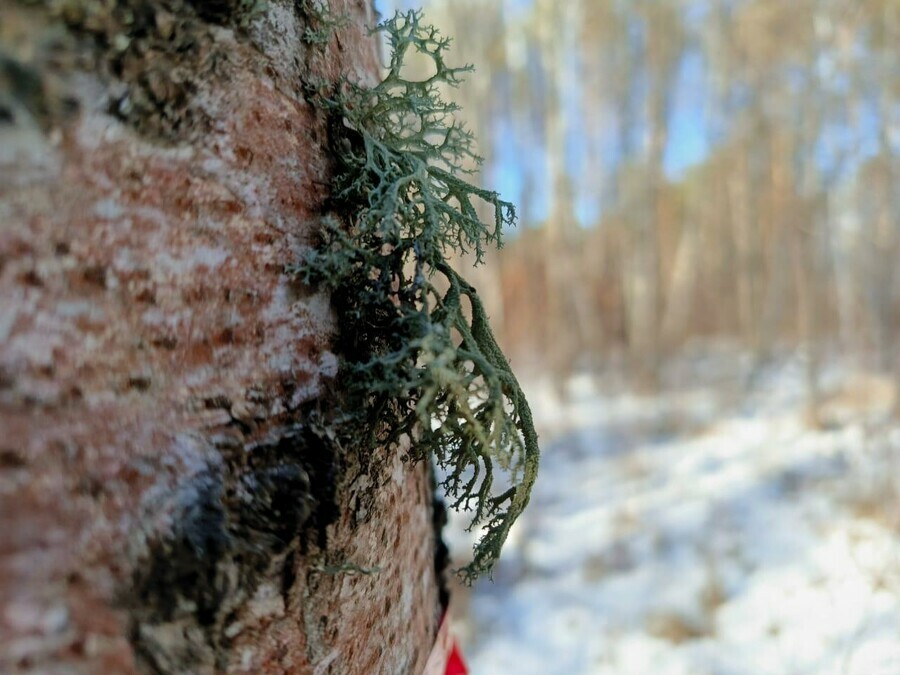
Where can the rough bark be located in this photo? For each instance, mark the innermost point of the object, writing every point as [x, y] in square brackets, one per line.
[166, 505]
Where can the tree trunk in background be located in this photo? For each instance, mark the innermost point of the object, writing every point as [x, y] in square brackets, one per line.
[164, 504]
[568, 311]
[661, 56]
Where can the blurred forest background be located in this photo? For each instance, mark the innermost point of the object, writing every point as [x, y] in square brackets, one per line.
[687, 170]
[702, 299]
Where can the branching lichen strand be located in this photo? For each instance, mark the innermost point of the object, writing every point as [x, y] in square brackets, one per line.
[416, 367]
[321, 23]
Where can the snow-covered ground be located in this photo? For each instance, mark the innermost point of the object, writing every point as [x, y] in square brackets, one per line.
[702, 531]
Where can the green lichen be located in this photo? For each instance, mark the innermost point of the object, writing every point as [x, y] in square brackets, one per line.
[321, 23]
[421, 369]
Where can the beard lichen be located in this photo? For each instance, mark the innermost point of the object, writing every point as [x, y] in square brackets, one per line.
[421, 369]
[320, 22]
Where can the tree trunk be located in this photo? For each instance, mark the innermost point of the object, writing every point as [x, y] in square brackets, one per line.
[166, 504]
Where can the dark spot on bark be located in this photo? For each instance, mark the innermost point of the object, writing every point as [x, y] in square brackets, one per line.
[229, 523]
[225, 337]
[95, 275]
[166, 342]
[6, 115]
[288, 576]
[62, 248]
[245, 155]
[183, 566]
[218, 402]
[11, 459]
[31, 278]
[182, 579]
[216, 11]
[302, 490]
[139, 382]
[91, 486]
[275, 501]
[7, 381]
[23, 84]
[68, 106]
[145, 295]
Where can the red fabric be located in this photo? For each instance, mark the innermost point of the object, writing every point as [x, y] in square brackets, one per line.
[455, 664]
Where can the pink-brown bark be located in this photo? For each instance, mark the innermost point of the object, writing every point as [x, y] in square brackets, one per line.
[162, 499]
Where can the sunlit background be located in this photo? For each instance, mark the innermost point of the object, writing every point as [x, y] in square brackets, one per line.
[702, 298]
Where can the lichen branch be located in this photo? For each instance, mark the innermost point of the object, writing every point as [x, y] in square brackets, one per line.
[416, 369]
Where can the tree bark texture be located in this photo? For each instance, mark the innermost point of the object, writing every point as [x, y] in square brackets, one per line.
[165, 504]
